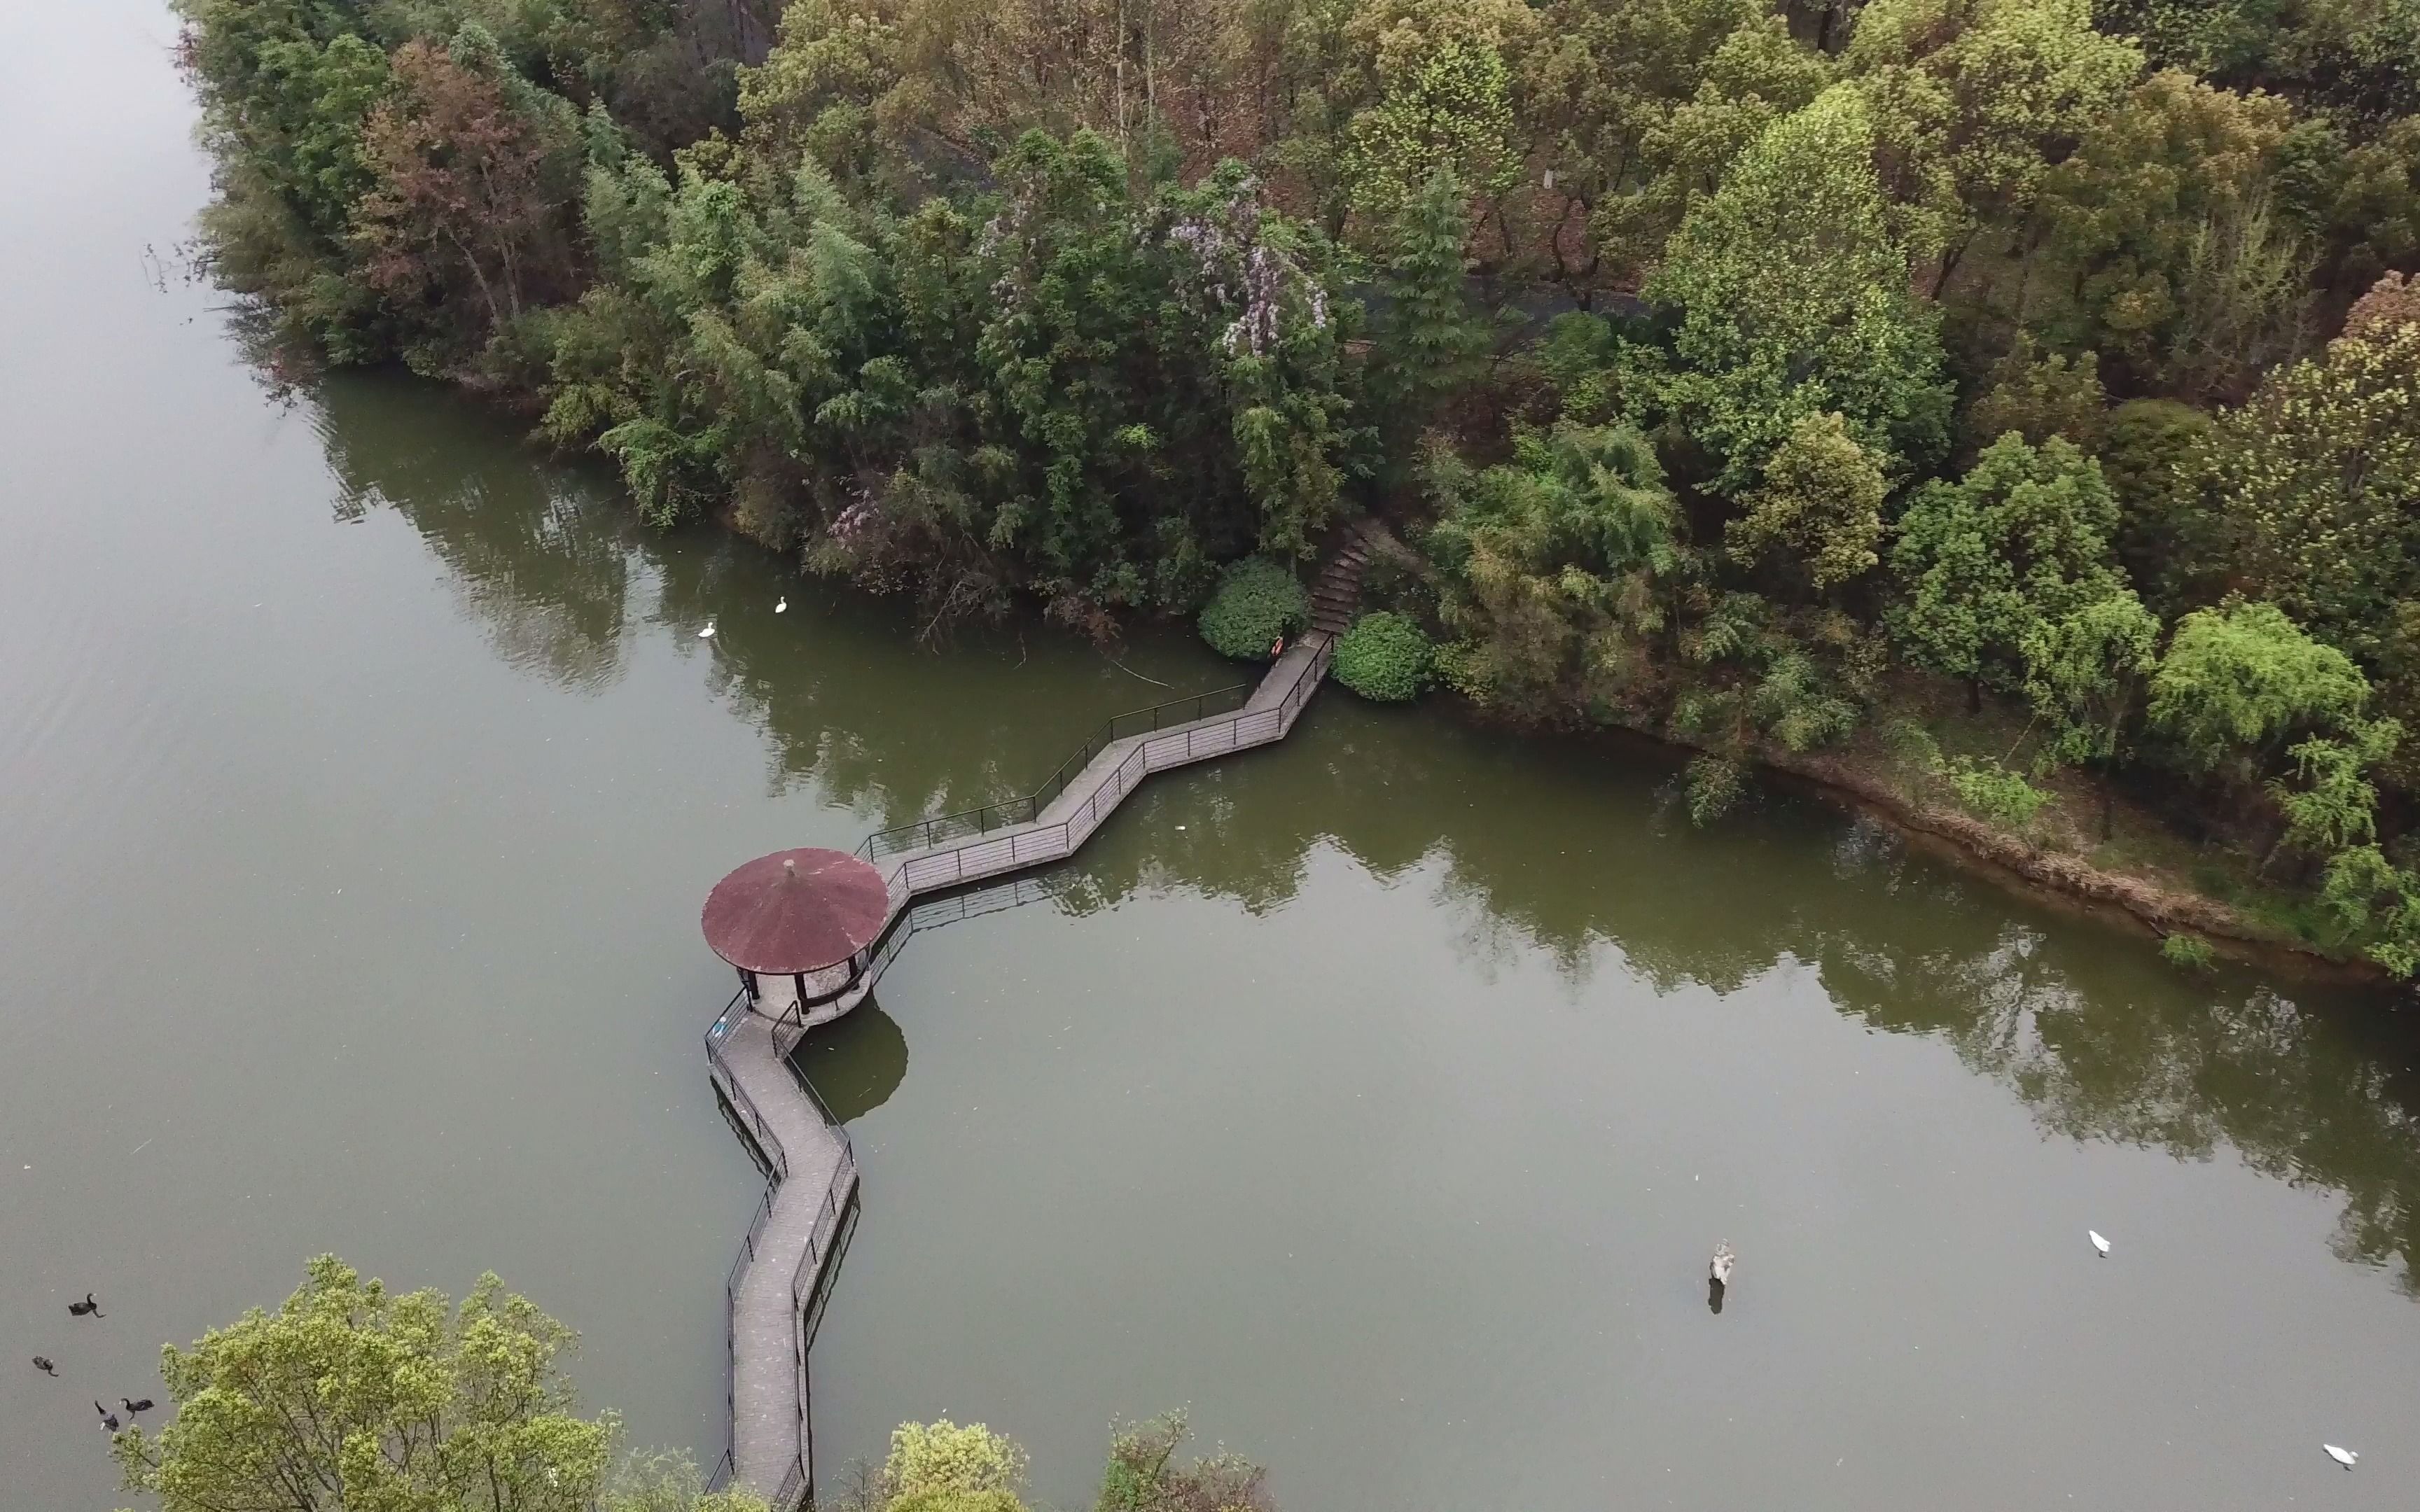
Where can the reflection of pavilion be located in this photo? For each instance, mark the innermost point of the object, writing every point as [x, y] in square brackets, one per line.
[810, 932]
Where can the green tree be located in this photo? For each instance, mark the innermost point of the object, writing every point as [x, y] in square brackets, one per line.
[1143, 1474]
[670, 1482]
[2168, 259]
[1384, 658]
[2237, 681]
[1973, 101]
[732, 324]
[2154, 453]
[285, 98]
[2319, 475]
[289, 101]
[818, 94]
[1258, 603]
[2362, 198]
[1822, 497]
[350, 1396]
[1793, 301]
[2332, 804]
[1755, 682]
[1549, 564]
[2039, 396]
[1638, 109]
[2021, 542]
[2378, 902]
[2360, 61]
[1428, 343]
[1105, 330]
[2085, 673]
[1444, 98]
[1990, 791]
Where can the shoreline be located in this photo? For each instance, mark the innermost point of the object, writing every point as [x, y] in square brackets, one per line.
[2059, 878]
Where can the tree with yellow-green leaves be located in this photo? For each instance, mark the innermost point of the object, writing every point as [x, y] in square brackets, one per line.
[1972, 102]
[353, 1396]
[1817, 511]
[2319, 479]
[1792, 300]
[1443, 98]
[1633, 111]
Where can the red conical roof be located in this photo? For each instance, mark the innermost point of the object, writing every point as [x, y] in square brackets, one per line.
[796, 911]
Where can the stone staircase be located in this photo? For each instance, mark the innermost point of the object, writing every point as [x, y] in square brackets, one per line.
[1336, 593]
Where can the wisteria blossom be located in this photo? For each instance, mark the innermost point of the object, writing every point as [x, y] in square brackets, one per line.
[1232, 262]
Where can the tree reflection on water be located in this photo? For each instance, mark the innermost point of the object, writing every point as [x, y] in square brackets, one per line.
[1558, 847]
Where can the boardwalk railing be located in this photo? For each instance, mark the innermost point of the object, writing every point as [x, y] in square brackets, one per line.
[1035, 844]
[743, 1107]
[926, 833]
[809, 1272]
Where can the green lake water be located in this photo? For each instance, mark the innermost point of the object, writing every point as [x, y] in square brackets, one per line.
[1376, 1098]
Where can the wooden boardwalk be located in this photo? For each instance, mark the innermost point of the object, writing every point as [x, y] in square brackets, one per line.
[774, 1290]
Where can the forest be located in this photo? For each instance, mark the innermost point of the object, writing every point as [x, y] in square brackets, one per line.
[2020, 396]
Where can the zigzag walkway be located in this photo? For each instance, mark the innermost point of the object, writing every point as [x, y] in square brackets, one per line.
[775, 1290]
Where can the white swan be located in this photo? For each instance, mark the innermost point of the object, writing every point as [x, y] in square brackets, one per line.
[2342, 1456]
[1718, 1269]
[2098, 1242]
[706, 634]
[783, 607]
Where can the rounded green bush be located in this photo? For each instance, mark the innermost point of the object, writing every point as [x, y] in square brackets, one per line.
[1384, 658]
[1256, 602]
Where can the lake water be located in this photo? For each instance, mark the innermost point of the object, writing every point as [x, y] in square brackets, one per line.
[1376, 1099]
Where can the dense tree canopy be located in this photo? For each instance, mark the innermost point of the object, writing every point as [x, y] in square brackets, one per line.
[350, 1396]
[1741, 367]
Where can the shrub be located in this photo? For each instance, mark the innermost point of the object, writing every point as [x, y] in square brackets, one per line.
[1257, 602]
[1143, 1474]
[1992, 791]
[956, 1501]
[1384, 658]
[1463, 666]
[942, 1461]
[2190, 951]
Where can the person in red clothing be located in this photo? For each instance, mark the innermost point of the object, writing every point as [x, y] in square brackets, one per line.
[1277, 648]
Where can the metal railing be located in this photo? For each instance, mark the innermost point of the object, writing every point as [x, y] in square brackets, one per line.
[735, 1097]
[1034, 845]
[926, 833]
[804, 1277]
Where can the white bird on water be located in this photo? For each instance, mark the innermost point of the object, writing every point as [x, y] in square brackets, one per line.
[2098, 1242]
[706, 634]
[783, 607]
[2342, 1456]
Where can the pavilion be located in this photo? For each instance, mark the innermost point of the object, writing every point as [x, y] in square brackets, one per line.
[800, 926]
